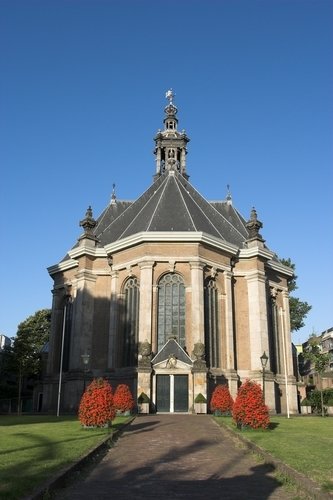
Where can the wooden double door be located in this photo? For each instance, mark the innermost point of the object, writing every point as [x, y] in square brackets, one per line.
[172, 393]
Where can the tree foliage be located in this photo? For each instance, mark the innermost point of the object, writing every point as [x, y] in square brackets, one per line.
[319, 360]
[298, 309]
[32, 335]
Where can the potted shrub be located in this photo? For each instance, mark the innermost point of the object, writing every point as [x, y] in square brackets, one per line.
[123, 400]
[96, 405]
[306, 407]
[330, 407]
[200, 404]
[143, 403]
[221, 402]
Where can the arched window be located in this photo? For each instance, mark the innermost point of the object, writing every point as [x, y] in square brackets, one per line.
[171, 309]
[212, 334]
[131, 321]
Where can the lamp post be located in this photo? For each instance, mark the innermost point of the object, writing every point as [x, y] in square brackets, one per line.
[67, 301]
[85, 359]
[263, 359]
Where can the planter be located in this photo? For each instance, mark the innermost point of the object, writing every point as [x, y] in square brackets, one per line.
[306, 410]
[200, 407]
[143, 407]
[330, 410]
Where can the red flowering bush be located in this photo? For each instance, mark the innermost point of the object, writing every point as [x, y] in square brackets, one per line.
[249, 408]
[96, 405]
[221, 400]
[123, 399]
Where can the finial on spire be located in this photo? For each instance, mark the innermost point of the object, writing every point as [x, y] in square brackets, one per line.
[170, 95]
[113, 195]
[229, 198]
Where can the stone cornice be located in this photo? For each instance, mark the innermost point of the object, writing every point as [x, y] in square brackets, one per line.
[247, 253]
[277, 266]
[62, 266]
[171, 237]
[86, 250]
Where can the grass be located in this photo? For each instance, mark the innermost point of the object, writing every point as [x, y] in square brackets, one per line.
[304, 443]
[33, 448]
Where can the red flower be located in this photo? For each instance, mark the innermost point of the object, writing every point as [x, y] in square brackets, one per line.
[123, 399]
[96, 405]
[221, 399]
[249, 407]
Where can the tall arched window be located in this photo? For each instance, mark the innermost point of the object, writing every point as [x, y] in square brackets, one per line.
[171, 309]
[131, 321]
[212, 334]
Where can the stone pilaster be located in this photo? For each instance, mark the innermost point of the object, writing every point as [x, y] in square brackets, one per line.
[258, 325]
[197, 287]
[113, 327]
[229, 326]
[146, 289]
[83, 318]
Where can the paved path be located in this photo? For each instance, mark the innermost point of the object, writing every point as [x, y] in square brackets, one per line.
[176, 457]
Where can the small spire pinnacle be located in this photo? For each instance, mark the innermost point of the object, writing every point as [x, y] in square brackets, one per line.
[88, 224]
[229, 198]
[113, 195]
[254, 225]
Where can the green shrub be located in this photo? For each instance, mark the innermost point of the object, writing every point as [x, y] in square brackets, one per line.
[200, 398]
[143, 398]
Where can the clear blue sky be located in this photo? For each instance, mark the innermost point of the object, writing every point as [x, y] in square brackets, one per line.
[82, 85]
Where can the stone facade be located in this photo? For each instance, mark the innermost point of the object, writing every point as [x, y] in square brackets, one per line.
[170, 304]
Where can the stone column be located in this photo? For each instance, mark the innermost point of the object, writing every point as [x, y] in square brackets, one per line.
[197, 287]
[113, 327]
[287, 381]
[146, 289]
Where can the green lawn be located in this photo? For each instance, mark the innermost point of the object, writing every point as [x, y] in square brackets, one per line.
[33, 448]
[304, 443]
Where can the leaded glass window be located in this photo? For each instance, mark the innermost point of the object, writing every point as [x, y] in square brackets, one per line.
[171, 309]
[212, 334]
[131, 321]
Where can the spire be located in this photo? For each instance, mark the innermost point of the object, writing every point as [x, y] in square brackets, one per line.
[170, 145]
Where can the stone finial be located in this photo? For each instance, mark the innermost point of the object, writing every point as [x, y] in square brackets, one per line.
[254, 225]
[88, 224]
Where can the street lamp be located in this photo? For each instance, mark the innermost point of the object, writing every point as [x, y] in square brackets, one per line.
[85, 359]
[263, 359]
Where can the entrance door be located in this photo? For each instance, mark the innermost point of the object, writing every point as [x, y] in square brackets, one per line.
[171, 393]
[180, 393]
[163, 393]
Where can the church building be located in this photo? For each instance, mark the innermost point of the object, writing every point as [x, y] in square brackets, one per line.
[170, 294]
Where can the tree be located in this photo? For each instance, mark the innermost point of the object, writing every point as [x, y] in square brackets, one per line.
[320, 361]
[298, 309]
[32, 335]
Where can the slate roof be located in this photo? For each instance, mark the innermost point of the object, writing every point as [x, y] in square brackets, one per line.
[171, 203]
